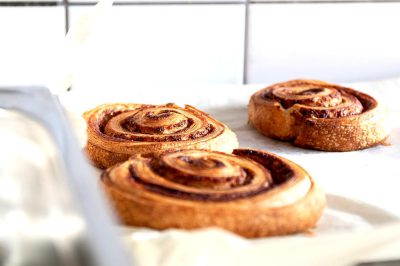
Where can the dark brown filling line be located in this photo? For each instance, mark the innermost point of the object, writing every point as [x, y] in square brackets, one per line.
[216, 197]
[106, 116]
[201, 163]
[311, 91]
[316, 111]
[161, 115]
[174, 175]
[317, 101]
[280, 173]
[131, 126]
[181, 136]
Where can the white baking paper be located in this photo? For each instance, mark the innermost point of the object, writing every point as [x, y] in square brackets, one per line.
[360, 222]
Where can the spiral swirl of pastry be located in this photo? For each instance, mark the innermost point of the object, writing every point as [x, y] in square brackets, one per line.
[117, 131]
[323, 101]
[318, 115]
[250, 192]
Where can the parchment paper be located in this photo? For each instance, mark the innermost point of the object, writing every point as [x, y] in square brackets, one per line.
[362, 186]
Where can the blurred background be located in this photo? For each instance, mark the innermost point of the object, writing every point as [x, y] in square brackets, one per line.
[167, 42]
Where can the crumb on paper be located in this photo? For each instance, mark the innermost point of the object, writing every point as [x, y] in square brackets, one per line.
[386, 142]
[310, 233]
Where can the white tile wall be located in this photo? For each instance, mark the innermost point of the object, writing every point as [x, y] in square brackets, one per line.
[29, 38]
[164, 45]
[197, 44]
[335, 42]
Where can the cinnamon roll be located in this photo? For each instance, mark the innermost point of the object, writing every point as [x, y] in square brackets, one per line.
[251, 192]
[318, 115]
[120, 130]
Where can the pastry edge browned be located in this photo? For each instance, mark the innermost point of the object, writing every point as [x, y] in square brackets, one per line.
[253, 222]
[104, 158]
[339, 134]
[295, 218]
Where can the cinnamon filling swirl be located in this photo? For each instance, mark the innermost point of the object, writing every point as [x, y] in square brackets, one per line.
[117, 131]
[157, 124]
[318, 115]
[250, 192]
[314, 100]
[209, 176]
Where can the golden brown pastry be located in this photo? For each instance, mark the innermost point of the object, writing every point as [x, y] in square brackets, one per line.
[250, 192]
[318, 115]
[120, 130]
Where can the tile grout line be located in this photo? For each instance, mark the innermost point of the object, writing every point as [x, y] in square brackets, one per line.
[67, 23]
[246, 43]
[66, 13]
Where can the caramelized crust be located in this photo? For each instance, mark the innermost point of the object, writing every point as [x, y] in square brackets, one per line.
[250, 192]
[118, 131]
[318, 115]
